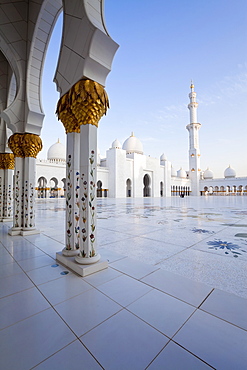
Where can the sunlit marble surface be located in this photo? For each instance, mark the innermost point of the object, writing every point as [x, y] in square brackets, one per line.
[202, 238]
[173, 296]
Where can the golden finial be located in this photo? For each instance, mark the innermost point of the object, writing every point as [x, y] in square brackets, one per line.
[132, 134]
[192, 85]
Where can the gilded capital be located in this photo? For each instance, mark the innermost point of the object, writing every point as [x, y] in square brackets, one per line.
[84, 104]
[25, 145]
[31, 145]
[66, 116]
[7, 161]
[15, 144]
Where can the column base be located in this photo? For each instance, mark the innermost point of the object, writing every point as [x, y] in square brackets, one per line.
[82, 270]
[70, 252]
[6, 219]
[14, 231]
[25, 232]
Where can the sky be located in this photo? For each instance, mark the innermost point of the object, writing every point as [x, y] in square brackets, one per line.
[163, 46]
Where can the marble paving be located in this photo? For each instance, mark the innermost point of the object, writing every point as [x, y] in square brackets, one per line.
[173, 297]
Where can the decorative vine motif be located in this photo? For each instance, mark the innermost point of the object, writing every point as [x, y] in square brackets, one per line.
[9, 207]
[77, 217]
[4, 201]
[88, 199]
[17, 199]
[91, 207]
[28, 208]
[31, 205]
[69, 205]
[1, 204]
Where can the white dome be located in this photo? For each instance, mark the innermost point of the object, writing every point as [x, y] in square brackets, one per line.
[133, 145]
[229, 172]
[163, 157]
[181, 173]
[57, 152]
[173, 172]
[208, 174]
[116, 144]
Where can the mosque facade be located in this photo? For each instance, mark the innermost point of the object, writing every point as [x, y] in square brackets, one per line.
[127, 172]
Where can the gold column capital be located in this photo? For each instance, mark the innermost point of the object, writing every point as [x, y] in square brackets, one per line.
[15, 144]
[25, 145]
[7, 161]
[85, 103]
[31, 145]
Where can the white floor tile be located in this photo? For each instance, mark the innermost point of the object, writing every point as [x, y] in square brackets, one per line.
[174, 357]
[178, 286]
[33, 263]
[228, 307]
[133, 268]
[124, 290]
[47, 273]
[218, 343]
[73, 357]
[102, 277]
[165, 313]
[19, 306]
[87, 310]
[9, 269]
[14, 283]
[30, 341]
[59, 290]
[124, 342]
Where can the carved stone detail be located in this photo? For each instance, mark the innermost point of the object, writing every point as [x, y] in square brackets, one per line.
[85, 103]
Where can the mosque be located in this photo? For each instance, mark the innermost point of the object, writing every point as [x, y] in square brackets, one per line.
[127, 172]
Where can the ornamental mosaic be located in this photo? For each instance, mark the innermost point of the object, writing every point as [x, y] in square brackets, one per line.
[226, 247]
[17, 199]
[69, 205]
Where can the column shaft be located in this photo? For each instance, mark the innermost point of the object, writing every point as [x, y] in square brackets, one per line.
[72, 194]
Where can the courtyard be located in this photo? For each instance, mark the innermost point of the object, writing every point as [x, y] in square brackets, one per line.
[174, 294]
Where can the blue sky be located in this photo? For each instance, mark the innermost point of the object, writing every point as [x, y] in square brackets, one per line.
[163, 45]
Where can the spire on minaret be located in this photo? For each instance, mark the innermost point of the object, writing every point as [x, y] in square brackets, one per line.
[192, 86]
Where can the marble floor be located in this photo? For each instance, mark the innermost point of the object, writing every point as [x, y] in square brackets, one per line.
[173, 297]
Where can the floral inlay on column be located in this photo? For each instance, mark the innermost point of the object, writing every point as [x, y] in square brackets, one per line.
[17, 199]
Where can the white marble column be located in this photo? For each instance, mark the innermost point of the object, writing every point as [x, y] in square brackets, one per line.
[28, 197]
[72, 195]
[88, 167]
[18, 197]
[1, 193]
[8, 195]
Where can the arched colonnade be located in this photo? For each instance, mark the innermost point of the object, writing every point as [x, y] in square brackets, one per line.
[83, 65]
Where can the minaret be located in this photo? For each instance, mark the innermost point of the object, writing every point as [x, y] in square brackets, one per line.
[194, 151]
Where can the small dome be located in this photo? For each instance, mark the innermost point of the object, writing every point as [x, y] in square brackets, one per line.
[208, 174]
[229, 172]
[181, 173]
[163, 157]
[133, 145]
[116, 144]
[173, 172]
[57, 152]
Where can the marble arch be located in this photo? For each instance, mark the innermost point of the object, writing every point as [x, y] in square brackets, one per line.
[85, 59]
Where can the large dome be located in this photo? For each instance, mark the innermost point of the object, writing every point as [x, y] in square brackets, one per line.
[208, 174]
[133, 145]
[57, 152]
[229, 172]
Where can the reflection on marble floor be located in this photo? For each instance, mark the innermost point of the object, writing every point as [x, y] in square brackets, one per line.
[204, 239]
